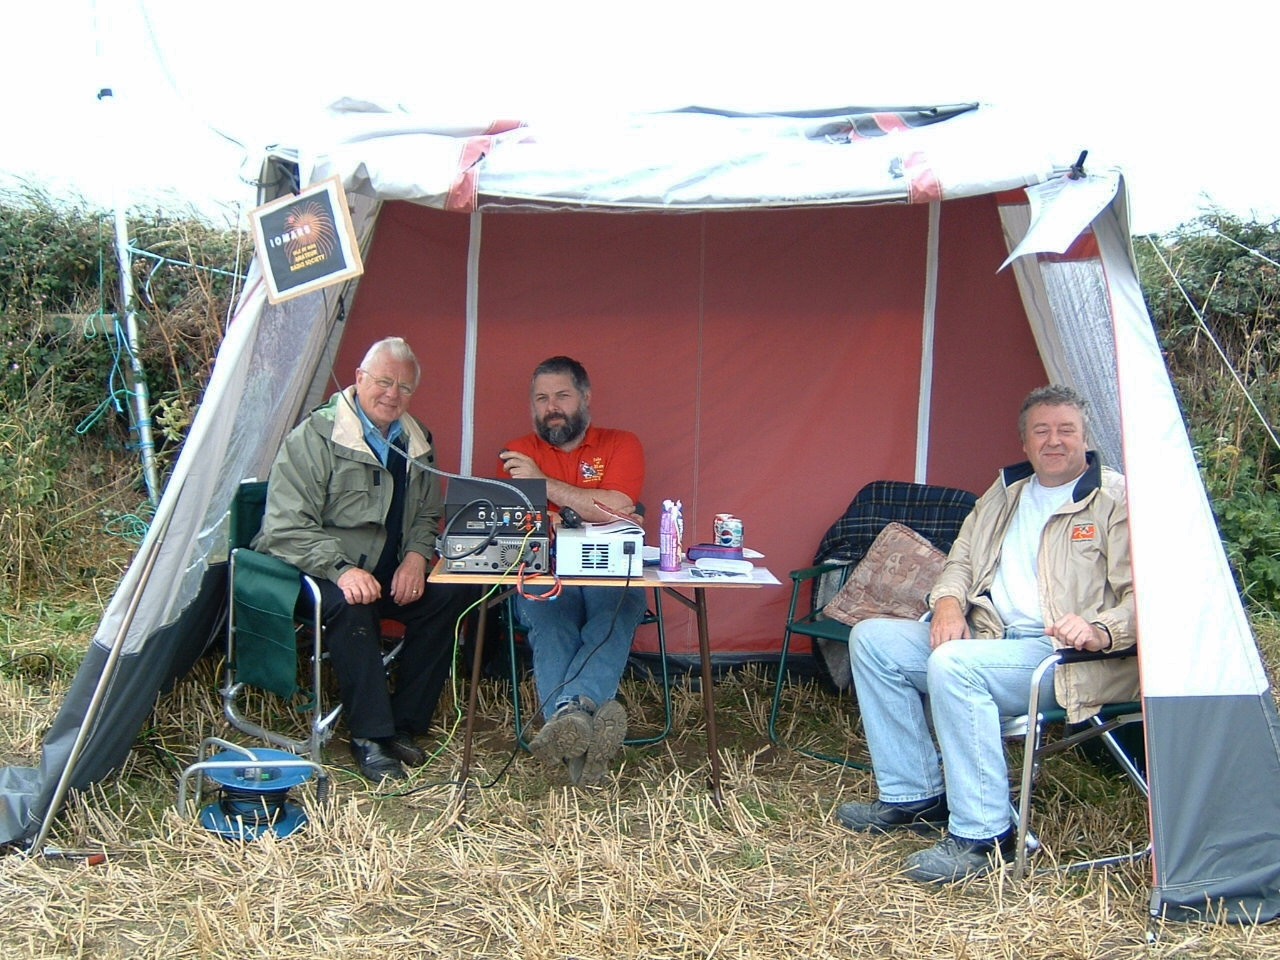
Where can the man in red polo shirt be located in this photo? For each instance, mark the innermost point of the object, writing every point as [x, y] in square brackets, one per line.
[581, 639]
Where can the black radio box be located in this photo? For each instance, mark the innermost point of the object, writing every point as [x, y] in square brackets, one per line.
[495, 525]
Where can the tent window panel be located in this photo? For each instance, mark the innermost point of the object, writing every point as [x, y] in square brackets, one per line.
[1078, 289]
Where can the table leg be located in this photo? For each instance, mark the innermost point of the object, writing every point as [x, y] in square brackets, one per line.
[708, 694]
[476, 669]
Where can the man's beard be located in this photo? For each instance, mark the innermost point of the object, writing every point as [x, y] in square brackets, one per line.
[566, 431]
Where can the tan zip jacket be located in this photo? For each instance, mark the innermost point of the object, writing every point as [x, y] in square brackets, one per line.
[328, 495]
[1083, 569]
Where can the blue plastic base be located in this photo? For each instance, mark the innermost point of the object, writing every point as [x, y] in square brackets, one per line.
[291, 818]
[255, 795]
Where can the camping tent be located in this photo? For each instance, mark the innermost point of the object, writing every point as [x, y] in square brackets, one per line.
[783, 307]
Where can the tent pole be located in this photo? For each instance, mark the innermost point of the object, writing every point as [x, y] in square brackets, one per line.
[472, 337]
[134, 374]
[104, 680]
[924, 411]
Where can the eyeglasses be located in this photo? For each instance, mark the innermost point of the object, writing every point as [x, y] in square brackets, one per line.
[386, 383]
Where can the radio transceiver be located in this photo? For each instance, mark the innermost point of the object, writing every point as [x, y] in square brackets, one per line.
[490, 527]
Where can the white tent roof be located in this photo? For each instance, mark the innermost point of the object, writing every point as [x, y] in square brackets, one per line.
[690, 159]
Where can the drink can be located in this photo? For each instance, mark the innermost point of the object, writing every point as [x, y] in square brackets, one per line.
[718, 526]
[728, 530]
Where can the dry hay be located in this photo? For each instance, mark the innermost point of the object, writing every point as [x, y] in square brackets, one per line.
[529, 868]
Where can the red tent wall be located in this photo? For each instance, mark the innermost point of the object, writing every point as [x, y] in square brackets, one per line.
[769, 361]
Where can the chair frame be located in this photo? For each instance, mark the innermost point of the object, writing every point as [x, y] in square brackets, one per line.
[324, 719]
[655, 617]
[935, 512]
[1030, 729]
[323, 723]
[815, 625]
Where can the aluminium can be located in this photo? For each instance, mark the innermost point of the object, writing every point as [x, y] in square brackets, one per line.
[728, 530]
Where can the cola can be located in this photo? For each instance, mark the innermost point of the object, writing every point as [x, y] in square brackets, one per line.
[728, 530]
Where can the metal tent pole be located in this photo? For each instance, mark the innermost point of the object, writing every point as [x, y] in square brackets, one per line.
[134, 374]
[105, 678]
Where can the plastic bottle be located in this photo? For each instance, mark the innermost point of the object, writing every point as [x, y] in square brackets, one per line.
[669, 536]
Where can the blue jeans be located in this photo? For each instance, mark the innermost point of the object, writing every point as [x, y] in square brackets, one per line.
[581, 641]
[970, 685]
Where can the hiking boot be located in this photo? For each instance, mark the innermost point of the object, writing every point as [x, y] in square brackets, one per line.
[566, 735]
[402, 747]
[919, 816]
[956, 858]
[608, 730]
[374, 762]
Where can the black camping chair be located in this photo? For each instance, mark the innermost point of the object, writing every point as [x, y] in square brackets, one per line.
[934, 512]
[264, 636]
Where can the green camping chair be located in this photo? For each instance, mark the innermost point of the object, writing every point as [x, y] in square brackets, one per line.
[935, 512]
[264, 636]
[1030, 730]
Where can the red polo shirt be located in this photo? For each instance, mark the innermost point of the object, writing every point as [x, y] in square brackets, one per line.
[605, 460]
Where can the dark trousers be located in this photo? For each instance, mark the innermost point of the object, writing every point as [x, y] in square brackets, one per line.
[352, 638]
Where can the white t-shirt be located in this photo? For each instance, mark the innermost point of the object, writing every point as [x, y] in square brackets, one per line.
[1015, 591]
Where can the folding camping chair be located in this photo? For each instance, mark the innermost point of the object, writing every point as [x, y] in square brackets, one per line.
[264, 636]
[1030, 730]
[934, 512]
[653, 616]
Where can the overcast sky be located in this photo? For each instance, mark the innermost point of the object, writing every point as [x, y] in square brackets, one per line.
[1182, 101]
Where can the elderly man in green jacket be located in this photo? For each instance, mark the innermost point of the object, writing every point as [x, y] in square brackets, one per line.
[1041, 563]
[350, 502]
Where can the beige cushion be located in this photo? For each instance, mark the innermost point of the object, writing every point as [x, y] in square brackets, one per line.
[892, 580]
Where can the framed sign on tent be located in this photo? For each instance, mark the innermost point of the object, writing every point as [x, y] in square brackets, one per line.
[306, 241]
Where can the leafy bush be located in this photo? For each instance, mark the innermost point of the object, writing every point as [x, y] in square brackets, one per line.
[1227, 268]
[66, 431]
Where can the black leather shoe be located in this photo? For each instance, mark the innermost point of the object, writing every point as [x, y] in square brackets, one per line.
[922, 816]
[402, 747]
[375, 763]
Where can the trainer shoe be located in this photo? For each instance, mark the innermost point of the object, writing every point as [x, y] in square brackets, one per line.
[956, 858]
[374, 762]
[608, 730]
[920, 816]
[566, 735]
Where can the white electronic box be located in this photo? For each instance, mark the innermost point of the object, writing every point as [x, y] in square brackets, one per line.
[600, 550]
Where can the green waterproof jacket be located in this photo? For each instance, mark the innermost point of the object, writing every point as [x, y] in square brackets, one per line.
[328, 494]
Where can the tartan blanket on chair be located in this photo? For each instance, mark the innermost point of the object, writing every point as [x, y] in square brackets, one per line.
[935, 513]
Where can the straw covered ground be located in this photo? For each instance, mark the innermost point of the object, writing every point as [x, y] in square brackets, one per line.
[528, 867]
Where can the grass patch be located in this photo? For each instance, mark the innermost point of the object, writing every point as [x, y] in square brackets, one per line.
[528, 867]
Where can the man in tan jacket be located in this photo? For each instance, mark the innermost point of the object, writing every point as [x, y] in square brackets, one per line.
[1041, 563]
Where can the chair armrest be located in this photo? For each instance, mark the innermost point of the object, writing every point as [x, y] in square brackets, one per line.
[800, 577]
[809, 573]
[1071, 655]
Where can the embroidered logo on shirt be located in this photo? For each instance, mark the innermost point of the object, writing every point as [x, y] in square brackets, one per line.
[592, 470]
[1084, 531]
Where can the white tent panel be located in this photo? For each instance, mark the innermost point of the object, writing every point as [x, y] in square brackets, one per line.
[1189, 613]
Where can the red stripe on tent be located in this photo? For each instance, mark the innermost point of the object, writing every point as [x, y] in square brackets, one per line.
[923, 184]
[462, 195]
[504, 126]
[1011, 198]
[1084, 247]
[890, 122]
